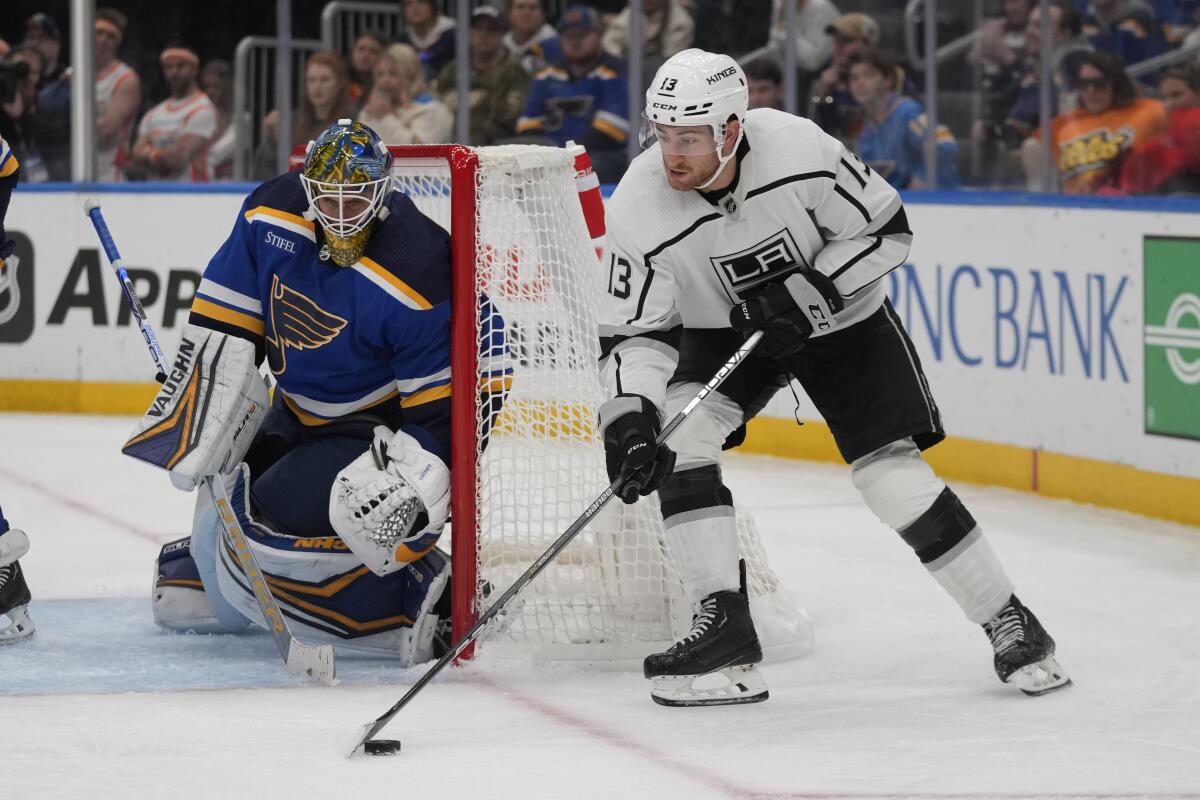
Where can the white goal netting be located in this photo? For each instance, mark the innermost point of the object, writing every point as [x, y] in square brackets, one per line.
[613, 593]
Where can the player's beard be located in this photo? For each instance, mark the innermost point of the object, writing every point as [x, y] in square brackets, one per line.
[693, 171]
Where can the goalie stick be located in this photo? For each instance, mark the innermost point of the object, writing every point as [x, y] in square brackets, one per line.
[363, 739]
[312, 661]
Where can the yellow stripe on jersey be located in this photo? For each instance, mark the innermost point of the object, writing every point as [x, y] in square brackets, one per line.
[9, 166]
[496, 383]
[425, 396]
[408, 555]
[238, 319]
[608, 129]
[396, 283]
[267, 211]
[308, 419]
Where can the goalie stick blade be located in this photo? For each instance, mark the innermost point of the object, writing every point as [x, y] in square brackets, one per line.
[316, 662]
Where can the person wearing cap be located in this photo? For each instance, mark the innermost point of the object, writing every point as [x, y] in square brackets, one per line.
[430, 33]
[667, 28]
[583, 98]
[173, 137]
[531, 41]
[498, 83]
[812, 45]
[118, 95]
[53, 124]
[831, 105]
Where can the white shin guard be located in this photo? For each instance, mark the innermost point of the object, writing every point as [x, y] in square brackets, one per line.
[903, 491]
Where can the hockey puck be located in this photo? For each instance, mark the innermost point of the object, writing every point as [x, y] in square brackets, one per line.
[381, 747]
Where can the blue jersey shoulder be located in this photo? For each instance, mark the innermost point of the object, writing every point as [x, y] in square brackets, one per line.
[284, 193]
[413, 249]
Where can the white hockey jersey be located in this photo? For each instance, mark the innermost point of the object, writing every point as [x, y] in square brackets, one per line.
[678, 261]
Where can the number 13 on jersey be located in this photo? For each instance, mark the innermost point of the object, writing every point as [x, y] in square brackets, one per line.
[619, 271]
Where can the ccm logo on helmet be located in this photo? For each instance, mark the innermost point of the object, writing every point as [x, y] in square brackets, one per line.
[664, 106]
[722, 75]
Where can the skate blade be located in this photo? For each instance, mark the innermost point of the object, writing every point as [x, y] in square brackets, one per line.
[19, 626]
[1040, 678]
[742, 685]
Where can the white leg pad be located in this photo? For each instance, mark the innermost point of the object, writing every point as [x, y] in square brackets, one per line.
[896, 483]
[13, 544]
[972, 574]
[704, 547]
[899, 486]
[697, 441]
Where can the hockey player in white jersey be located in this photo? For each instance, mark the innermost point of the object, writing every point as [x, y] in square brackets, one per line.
[735, 221]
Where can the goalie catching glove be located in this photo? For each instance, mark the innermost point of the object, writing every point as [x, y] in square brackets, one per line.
[630, 426]
[789, 312]
[207, 411]
[389, 505]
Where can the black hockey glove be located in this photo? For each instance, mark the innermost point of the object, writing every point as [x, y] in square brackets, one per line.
[789, 312]
[630, 425]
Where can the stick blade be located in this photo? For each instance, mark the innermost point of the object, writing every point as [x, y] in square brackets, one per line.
[315, 662]
[360, 737]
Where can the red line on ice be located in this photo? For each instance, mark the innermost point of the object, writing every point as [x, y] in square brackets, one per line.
[713, 781]
[83, 508]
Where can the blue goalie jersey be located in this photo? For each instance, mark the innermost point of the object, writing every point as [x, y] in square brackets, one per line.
[371, 338]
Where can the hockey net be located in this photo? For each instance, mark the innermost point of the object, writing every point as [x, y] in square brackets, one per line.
[521, 477]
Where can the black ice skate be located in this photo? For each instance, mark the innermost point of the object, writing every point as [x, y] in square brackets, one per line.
[15, 623]
[1024, 651]
[722, 640]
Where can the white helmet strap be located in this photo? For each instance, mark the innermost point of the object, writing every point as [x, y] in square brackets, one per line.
[722, 159]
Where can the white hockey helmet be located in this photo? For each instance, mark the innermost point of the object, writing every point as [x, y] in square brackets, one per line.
[696, 88]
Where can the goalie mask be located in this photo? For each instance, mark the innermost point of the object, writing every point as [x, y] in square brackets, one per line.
[347, 178]
[692, 89]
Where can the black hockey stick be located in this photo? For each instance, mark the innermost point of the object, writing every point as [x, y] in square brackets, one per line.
[312, 661]
[363, 740]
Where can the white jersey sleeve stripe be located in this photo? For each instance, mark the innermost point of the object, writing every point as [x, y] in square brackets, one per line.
[228, 296]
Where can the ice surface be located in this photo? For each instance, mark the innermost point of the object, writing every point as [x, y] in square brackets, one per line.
[898, 700]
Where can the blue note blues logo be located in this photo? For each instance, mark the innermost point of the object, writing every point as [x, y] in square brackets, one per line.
[298, 323]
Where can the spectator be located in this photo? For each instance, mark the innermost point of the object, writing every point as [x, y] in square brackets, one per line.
[531, 41]
[1126, 28]
[216, 79]
[498, 84]
[1090, 142]
[813, 18]
[666, 29]
[325, 100]
[118, 95]
[893, 136]
[399, 108]
[1170, 164]
[584, 98]
[429, 33]
[998, 57]
[18, 116]
[832, 106]
[41, 32]
[53, 133]
[1069, 43]
[366, 51]
[731, 26]
[173, 136]
[766, 83]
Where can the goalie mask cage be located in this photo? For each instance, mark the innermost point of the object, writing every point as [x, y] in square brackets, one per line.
[521, 477]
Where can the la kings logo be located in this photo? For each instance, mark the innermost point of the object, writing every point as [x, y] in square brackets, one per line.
[772, 258]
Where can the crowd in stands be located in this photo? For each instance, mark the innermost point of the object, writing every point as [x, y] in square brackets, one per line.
[547, 80]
